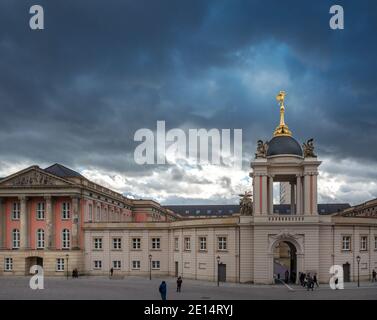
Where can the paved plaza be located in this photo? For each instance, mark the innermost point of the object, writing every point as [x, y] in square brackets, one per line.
[138, 288]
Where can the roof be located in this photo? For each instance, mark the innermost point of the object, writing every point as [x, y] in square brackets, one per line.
[62, 171]
[283, 145]
[227, 210]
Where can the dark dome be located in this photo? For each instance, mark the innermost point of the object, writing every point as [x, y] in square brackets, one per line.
[283, 145]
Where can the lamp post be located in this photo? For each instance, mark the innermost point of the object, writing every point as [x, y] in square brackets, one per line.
[358, 270]
[67, 256]
[150, 267]
[218, 273]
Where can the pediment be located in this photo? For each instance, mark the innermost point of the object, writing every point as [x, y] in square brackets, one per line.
[33, 177]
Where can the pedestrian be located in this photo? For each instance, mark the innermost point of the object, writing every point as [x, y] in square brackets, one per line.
[111, 272]
[162, 289]
[374, 275]
[179, 284]
[315, 280]
[336, 283]
[286, 276]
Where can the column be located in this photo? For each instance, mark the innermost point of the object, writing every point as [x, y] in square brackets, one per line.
[256, 195]
[270, 195]
[49, 233]
[264, 195]
[23, 223]
[292, 197]
[75, 223]
[298, 195]
[314, 192]
[307, 195]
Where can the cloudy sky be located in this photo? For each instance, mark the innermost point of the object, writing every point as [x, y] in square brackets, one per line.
[76, 92]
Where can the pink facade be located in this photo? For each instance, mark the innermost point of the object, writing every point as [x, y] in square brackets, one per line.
[60, 223]
[10, 223]
[35, 223]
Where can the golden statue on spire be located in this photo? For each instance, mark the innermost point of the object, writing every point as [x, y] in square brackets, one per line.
[282, 129]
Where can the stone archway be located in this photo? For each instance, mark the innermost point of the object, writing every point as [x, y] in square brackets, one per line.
[285, 262]
[31, 261]
[293, 243]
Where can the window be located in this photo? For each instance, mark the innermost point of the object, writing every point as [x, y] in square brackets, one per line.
[346, 243]
[90, 213]
[98, 218]
[66, 210]
[16, 239]
[60, 264]
[40, 210]
[97, 264]
[136, 243]
[187, 244]
[66, 241]
[202, 243]
[176, 244]
[155, 243]
[97, 243]
[221, 243]
[155, 265]
[117, 243]
[40, 239]
[16, 211]
[8, 264]
[364, 243]
[136, 265]
[116, 264]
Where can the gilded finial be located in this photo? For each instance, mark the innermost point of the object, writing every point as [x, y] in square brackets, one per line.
[282, 129]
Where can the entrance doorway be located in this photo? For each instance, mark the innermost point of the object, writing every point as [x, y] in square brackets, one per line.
[176, 269]
[222, 272]
[346, 272]
[31, 261]
[285, 263]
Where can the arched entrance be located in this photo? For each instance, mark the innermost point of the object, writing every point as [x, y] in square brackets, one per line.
[31, 261]
[285, 262]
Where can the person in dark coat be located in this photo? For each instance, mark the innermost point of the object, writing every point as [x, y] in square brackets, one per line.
[111, 272]
[315, 280]
[162, 289]
[286, 276]
[179, 284]
[374, 275]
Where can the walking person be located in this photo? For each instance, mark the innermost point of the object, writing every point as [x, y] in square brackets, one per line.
[111, 272]
[374, 275]
[286, 276]
[162, 289]
[315, 280]
[179, 284]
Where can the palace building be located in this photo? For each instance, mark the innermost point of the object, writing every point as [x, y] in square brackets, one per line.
[57, 218]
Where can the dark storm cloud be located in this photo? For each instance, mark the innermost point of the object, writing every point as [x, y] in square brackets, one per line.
[77, 91]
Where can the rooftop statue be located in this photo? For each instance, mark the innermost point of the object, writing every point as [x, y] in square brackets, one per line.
[261, 149]
[246, 204]
[309, 148]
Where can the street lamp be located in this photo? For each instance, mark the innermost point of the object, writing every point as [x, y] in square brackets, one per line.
[67, 256]
[218, 273]
[358, 270]
[150, 267]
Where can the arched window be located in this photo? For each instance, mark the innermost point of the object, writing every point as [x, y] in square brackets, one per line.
[40, 239]
[66, 241]
[15, 238]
